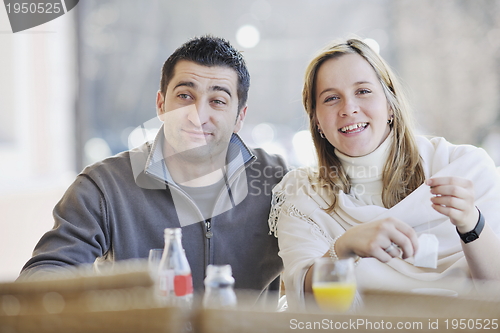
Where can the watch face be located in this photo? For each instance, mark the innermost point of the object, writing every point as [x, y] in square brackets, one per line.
[470, 237]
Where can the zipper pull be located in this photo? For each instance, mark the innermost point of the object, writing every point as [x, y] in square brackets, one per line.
[209, 232]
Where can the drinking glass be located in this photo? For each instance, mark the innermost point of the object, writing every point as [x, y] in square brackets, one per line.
[334, 284]
[154, 260]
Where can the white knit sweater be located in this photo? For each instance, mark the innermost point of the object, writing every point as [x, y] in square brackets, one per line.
[305, 231]
[365, 173]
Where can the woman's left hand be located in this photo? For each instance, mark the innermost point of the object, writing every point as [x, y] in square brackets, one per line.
[454, 197]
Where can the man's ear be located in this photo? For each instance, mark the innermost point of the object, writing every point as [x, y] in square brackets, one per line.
[239, 120]
[160, 103]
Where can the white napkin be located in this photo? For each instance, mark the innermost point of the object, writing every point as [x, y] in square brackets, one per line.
[427, 253]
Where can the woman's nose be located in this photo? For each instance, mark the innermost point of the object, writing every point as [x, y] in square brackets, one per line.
[349, 109]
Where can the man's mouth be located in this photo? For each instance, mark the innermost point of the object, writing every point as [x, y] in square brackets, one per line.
[354, 128]
[197, 133]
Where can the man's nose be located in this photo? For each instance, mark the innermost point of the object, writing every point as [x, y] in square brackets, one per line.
[199, 114]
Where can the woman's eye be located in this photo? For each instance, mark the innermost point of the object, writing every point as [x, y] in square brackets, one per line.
[364, 91]
[331, 98]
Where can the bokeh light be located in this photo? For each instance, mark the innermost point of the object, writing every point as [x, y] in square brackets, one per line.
[248, 36]
[304, 148]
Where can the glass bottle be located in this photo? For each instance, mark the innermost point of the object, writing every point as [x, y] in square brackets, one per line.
[219, 283]
[174, 274]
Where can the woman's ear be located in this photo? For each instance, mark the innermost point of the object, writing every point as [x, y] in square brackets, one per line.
[391, 119]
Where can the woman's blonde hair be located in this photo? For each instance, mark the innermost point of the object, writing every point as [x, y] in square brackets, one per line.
[403, 171]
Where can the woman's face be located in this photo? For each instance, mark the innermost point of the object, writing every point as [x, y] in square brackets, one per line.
[351, 107]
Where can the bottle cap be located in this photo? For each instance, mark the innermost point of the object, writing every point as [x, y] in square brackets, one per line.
[169, 232]
[219, 270]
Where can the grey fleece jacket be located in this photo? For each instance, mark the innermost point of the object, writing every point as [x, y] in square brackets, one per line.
[115, 210]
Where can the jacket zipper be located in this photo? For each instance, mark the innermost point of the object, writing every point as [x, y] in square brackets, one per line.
[208, 243]
[208, 222]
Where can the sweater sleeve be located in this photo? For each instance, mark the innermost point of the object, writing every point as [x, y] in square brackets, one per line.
[80, 233]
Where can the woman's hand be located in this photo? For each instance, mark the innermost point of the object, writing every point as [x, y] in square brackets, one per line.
[374, 238]
[382, 239]
[454, 197]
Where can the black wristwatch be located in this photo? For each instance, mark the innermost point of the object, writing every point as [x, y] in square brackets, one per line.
[474, 233]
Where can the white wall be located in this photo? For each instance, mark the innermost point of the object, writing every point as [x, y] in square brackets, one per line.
[37, 99]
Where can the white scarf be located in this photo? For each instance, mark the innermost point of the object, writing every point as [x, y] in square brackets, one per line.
[305, 230]
[440, 159]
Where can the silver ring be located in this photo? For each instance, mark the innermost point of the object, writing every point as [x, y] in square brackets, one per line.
[390, 247]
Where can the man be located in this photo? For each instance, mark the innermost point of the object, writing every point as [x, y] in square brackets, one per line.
[197, 175]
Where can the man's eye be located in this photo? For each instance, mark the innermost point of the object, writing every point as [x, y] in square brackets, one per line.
[219, 102]
[183, 96]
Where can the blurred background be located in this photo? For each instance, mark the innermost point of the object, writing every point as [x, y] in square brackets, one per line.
[73, 90]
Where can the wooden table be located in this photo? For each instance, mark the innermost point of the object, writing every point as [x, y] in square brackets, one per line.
[124, 302]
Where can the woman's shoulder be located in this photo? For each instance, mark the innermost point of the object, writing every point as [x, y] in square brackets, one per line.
[302, 187]
[437, 154]
[302, 174]
[296, 195]
[297, 179]
[440, 146]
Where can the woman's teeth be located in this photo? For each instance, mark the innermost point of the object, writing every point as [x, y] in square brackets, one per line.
[353, 128]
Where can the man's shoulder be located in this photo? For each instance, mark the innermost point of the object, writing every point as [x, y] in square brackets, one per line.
[266, 158]
[113, 164]
[119, 166]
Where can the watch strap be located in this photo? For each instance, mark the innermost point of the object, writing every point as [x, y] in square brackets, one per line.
[474, 233]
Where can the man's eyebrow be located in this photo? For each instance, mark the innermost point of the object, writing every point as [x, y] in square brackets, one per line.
[193, 85]
[219, 88]
[185, 84]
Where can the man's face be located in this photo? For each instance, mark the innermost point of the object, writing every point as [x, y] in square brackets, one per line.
[200, 111]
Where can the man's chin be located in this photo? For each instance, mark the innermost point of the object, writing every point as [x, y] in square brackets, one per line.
[198, 151]
[195, 145]
[195, 152]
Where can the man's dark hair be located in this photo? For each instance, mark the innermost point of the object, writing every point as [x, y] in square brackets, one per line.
[209, 51]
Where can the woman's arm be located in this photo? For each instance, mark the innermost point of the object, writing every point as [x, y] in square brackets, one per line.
[454, 197]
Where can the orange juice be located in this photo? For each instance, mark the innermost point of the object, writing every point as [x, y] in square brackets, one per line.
[334, 296]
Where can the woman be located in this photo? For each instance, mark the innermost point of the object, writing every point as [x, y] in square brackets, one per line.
[378, 187]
